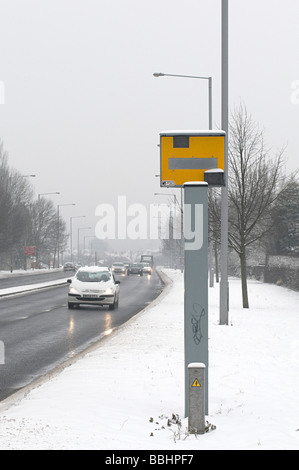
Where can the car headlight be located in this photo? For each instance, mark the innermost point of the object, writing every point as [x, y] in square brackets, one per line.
[109, 291]
[74, 291]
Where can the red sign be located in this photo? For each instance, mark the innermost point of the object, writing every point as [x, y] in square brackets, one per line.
[29, 250]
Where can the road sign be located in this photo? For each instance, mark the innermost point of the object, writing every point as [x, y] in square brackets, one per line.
[196, 409]
[186, 156]
[196, 383]
[29, 250]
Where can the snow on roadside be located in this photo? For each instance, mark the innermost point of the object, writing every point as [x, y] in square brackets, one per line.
[121, 394]
[26, 288]
[23, 272]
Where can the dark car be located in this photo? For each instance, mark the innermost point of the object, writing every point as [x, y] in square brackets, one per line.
[135, 268]
[69, 267]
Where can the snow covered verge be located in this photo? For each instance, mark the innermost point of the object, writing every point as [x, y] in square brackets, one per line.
[22, 272]
[26, 288]
[41, 285]
[127, 392]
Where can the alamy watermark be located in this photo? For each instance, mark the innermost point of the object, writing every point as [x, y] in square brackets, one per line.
[138, 222]
[295, 93]
[2, 353]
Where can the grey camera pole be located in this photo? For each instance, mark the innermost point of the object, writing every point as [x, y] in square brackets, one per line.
[196, 281]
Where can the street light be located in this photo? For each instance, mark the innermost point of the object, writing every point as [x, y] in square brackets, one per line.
[81, 228]
[71, 232]
[224, 297]
[60, 205]
[44, 194]
[88, 236]
[210, 81]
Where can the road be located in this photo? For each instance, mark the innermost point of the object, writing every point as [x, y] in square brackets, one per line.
[39, 332]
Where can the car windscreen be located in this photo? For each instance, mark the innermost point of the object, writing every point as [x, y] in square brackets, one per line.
[90, 276]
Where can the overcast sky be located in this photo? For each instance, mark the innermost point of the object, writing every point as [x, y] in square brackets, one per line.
[83, 111]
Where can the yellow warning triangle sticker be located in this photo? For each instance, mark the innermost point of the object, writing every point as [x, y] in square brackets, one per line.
[196, 383]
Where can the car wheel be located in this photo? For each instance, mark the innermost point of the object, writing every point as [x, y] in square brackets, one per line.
[70, 305]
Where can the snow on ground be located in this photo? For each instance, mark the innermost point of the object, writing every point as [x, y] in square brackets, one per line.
[23, 272]
[122, 392]
[21, 289]
[26, 288]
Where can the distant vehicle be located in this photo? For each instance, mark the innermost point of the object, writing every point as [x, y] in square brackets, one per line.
[135, 268]
[69, 267]
[93, 286]
[147, 259]
[146, 268]
[118, 268]
[43, 266]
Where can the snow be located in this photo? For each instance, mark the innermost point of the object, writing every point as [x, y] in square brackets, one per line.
[25, 288]
[41, 285]
[23, 272]
[122, 392]
[201, 132]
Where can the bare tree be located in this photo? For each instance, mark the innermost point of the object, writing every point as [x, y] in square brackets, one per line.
[15, 197]
[24, 221]
[214, 213]
[4, 197]
[43, 217]
[284, 237]
[255, 182]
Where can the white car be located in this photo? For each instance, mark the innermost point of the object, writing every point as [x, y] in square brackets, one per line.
[146, 268]
[119, 268]
[93, 286]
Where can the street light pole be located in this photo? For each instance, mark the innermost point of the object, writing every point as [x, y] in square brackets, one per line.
[71, 232]
[60, 205]
[80, 228]
[87, 236]
[210, 82]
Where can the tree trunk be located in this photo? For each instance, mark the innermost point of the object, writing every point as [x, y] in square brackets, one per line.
[11, 260]
[244, 279]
